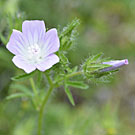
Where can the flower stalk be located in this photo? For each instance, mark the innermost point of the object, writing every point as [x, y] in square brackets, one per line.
[46, 98]
[33, 86]
[43, 104]
[41, 111]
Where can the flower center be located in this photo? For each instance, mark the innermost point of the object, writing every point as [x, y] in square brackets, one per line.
[34, 54]
[33, 49]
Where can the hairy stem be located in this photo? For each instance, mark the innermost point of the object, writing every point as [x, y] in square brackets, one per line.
[41, 111]
[52, 85]
[69, 76]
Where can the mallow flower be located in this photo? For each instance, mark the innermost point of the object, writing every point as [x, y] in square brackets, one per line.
[115, 64]
[34, 48]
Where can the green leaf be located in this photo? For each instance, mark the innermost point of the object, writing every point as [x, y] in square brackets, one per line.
[75, 69]
[22, 88]
[3, 39]
[68, 35]
[69, 94]
[5, 58]
[63, 58]
[23, 77]
[77, 84]
[70, 27]
[16, 95]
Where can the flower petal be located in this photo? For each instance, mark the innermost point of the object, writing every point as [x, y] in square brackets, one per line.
[52, 43]
[48, 62]
[34, 31]
[17, 43]
[21, 63]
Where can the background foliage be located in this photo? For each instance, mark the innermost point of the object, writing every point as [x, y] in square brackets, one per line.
[103, 109]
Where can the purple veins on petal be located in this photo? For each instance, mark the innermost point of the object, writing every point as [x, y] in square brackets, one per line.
[21, 63]
[51, 38]
[34, 31]
[17, 43]
[114, 64]
[34, 47]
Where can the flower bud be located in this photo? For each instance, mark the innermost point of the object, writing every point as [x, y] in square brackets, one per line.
[114, 65]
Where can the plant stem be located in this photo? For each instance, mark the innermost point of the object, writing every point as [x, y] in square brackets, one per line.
[49, 79]
[35, 99]
[74, 74]
[52, 85]
[39, 79]
[41, 111]
[33, 86]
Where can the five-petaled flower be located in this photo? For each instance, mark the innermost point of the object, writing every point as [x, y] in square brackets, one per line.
[115, 64]
[34, 48]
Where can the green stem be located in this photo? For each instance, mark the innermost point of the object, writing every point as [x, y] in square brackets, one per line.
[68, 76]
[41, 112]
[33, 86]
[39, 79]
[35, 99]
[49, 79]
[74, 74]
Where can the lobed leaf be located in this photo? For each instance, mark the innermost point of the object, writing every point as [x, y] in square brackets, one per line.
[16, 95]
[22, 88]
[70, 27]
[68, 35]
[69, 95]
[77, 84]
[23, 77]
[63, 58]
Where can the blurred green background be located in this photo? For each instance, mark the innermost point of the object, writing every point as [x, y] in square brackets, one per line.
[106, 109]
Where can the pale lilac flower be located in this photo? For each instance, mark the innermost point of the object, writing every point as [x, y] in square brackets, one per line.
[114, 65]
[34, 48]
